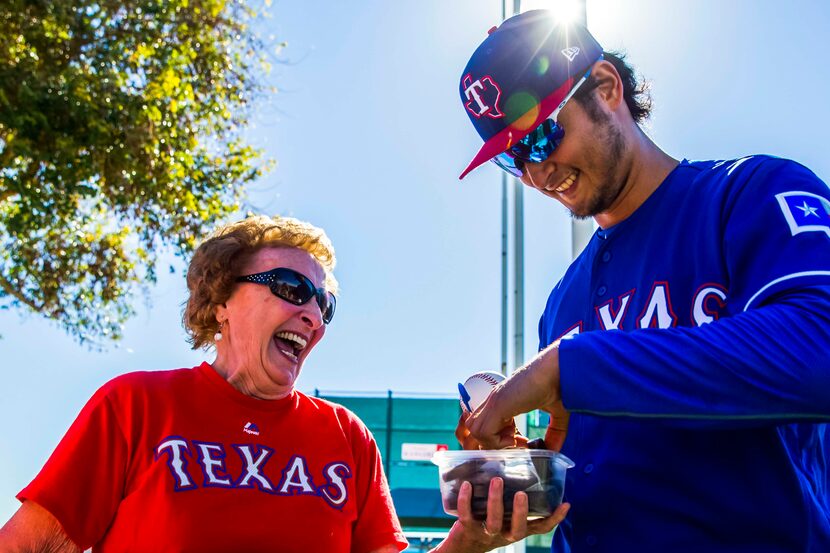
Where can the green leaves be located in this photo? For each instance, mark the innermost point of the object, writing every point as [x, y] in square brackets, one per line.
[120, 128]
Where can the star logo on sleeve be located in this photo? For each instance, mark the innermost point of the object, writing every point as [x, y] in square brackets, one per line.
[808, 210]
[805, 211]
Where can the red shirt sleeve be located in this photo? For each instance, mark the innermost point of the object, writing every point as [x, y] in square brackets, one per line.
[377, 523]
[82, 483]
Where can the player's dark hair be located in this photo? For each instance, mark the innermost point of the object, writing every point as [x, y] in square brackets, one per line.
[635, 92]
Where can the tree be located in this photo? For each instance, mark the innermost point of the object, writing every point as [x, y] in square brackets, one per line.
[120, 139]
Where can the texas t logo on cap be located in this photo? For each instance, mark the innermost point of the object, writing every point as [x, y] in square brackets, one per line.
[484, 96]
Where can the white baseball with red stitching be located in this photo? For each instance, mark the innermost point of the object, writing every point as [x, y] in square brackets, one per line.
[479, 387]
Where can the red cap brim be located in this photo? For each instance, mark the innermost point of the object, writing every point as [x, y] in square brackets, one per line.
[511, 134]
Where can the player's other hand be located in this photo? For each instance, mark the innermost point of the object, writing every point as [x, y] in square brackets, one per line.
[467, 441]
[474, 536]
[557, 429]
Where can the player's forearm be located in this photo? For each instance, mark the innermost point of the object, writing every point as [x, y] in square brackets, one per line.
[768, 364]
[533, 386]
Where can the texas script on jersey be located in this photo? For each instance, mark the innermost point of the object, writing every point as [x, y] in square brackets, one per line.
[295, 477]
[658, 311]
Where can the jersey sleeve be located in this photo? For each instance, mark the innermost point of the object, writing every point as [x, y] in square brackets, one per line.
[377, 523]
[82, 482]
[768, 362]
[776, 233]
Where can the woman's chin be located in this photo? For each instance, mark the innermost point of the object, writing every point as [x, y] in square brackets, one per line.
[283, 374]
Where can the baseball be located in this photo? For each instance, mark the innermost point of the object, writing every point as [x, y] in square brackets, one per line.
[477, 388]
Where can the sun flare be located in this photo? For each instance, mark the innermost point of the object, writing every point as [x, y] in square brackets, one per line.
[566, 11]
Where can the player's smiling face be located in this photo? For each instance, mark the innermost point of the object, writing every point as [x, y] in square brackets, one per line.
[265, 338]
[587, 171]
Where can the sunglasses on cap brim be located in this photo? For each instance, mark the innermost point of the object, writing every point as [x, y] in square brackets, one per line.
[295, 288]
[539, 143]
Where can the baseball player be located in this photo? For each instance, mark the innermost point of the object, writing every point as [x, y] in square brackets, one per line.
[684, 354]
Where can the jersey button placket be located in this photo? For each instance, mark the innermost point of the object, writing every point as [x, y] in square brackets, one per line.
[600, 270]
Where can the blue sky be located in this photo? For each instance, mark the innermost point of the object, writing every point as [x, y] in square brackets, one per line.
[370, 137]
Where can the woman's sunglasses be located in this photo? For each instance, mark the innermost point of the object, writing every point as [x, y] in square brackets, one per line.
[540, 143]
[295, 288]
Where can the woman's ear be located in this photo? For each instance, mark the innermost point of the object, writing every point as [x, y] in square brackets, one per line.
[221, 313]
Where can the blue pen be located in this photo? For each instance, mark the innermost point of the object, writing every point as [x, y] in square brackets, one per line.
[465, 397]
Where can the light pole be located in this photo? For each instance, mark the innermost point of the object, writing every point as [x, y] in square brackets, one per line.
[518, 269]
[518, 251]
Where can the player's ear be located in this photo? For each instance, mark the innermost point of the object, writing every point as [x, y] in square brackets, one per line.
[609, 87]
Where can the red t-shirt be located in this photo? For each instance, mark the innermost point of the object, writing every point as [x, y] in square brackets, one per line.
[181, 461]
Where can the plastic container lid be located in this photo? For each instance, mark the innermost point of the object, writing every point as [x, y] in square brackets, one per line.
[512, 454]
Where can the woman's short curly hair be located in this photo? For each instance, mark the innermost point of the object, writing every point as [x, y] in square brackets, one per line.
[211, 275]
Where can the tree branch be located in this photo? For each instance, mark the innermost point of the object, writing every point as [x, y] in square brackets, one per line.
[12, 291]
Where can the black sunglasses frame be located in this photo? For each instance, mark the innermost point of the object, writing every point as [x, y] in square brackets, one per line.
[275, 278]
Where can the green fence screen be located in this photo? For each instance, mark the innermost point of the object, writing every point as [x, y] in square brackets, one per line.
[408, 428]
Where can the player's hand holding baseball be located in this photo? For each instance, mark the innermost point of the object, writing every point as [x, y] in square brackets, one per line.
[471, 536]
[509, 433]
[534, 386]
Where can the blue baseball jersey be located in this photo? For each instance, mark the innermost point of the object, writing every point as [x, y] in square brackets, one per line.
[695, 360]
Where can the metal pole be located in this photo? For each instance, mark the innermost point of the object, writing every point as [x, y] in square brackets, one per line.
[519, 275]
[388, 457]
[518, 260]
[504, 179]
[519, 295]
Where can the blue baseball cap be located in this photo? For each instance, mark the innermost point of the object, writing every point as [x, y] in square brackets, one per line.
[520, 74]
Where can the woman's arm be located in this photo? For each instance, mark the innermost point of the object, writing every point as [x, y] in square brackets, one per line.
[33, 529]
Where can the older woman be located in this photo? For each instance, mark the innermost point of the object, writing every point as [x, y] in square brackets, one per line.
[226, 456]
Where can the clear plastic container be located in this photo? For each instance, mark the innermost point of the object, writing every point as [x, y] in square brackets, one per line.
[539, 473]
